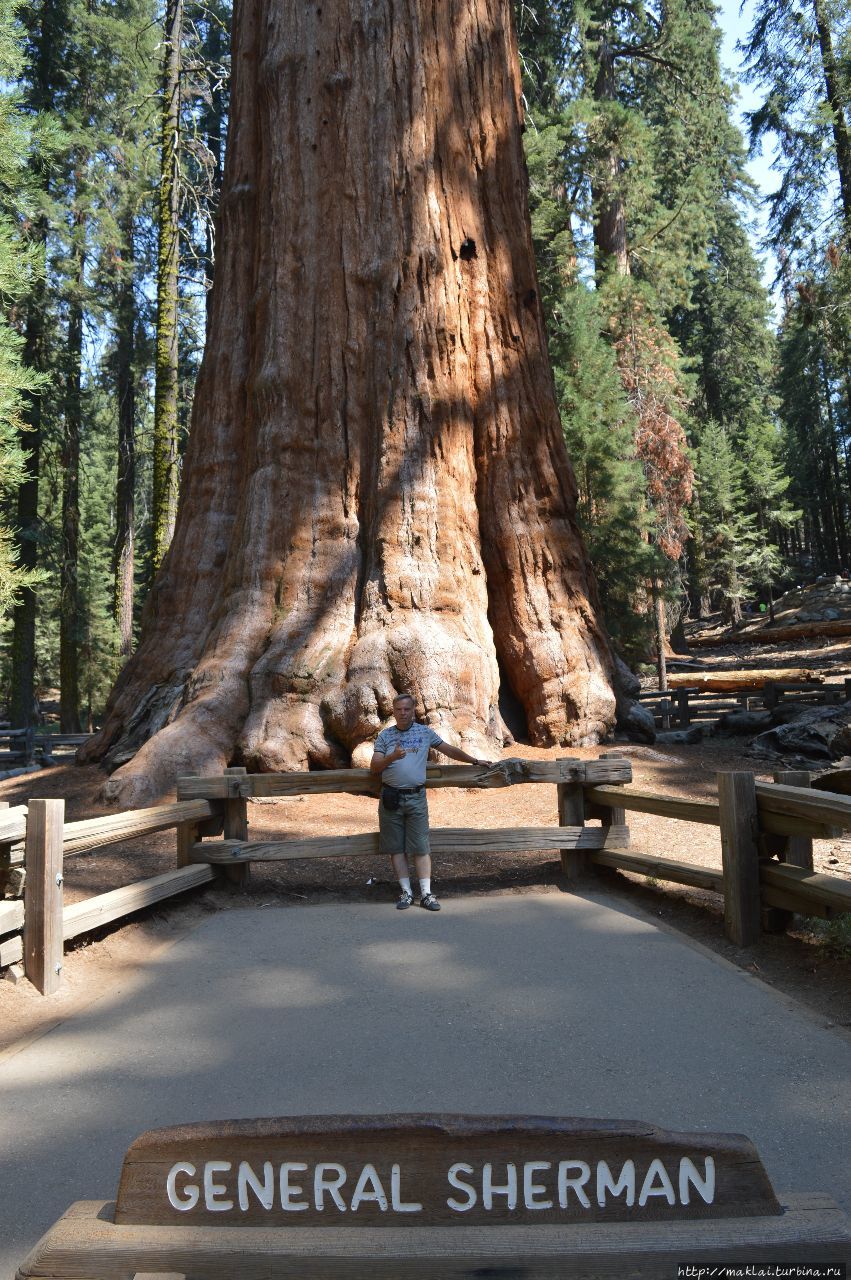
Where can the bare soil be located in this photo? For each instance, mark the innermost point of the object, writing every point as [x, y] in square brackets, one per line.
[799, 963]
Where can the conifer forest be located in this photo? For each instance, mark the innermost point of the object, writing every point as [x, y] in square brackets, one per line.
[698, 330]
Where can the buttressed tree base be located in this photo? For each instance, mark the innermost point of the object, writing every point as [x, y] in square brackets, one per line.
[376, 493]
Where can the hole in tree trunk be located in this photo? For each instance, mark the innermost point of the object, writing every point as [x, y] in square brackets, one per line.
[511, 708]
[467, 250]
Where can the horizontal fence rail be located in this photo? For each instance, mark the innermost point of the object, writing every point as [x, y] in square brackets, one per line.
[766, 831]
[362, 782]
[441, 839]
[82, 917]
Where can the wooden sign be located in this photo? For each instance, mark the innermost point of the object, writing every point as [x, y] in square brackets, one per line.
[439, 1197]
[371, 1171]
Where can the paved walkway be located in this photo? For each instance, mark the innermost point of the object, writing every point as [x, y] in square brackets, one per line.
[536, 1003]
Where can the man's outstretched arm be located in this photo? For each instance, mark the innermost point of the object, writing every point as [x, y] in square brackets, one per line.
[455, 753]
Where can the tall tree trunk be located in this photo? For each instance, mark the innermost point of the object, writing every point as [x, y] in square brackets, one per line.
[23, 707]
[69, 608]
[836, 496]
[839, 124]
[659, 616]
[610, 239]
[165, 479]
[376, 493]
[44, 28]
[124, 551]
[213, 127]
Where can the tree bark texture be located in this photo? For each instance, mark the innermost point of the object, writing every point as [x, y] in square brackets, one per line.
[610, 238]
[165, 479]
[69, 602]
[376, 492]
[123, 561]
[23, 705]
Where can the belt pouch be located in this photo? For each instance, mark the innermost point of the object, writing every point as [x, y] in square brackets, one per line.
[390, 797]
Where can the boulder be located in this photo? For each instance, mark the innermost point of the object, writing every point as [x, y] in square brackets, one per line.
[832, 615]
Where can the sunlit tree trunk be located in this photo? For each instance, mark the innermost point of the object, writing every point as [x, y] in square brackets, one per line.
[376, 492]
[165, 478]
[124, 547]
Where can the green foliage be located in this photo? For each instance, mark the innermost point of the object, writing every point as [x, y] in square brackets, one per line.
[742, 510]
[20, 264]
[834, 934]
[631, 156]
[788, 56]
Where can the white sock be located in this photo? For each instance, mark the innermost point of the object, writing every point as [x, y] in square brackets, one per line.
[425, 885]
[405, 883]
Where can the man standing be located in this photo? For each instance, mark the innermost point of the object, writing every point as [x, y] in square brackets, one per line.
[399, 759]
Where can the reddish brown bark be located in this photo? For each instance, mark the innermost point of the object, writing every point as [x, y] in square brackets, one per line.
[376, 493]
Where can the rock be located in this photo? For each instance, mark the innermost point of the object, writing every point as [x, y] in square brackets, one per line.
[638, 723]
[808, 615]
[677, 737]
[832, 615]
[745, 722]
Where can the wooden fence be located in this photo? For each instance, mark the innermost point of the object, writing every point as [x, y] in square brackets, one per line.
[681, 708]
[766, 870]
[28, 746]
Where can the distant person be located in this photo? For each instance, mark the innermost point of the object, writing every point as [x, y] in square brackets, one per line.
[399, 759]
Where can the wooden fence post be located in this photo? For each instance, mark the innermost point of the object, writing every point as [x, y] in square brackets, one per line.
[187, 835]
[739, 821]
[236, 828]
[795, 850]
[571, 813]
[43, 894]
[683, 714]
[610, 816]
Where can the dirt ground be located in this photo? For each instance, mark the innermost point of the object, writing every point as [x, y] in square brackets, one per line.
[800, 963]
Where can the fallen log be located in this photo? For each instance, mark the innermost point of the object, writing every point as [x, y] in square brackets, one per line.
[801, 631]
[741, 681]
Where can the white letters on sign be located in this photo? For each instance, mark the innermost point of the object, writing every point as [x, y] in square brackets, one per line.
[187, 1196]
[500, 1187]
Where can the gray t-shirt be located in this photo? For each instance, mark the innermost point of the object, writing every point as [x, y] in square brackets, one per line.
[416, 741]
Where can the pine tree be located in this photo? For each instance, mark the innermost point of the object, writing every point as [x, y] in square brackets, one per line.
[20, 265]
[726, 338]
[44, 46]
[598, 422]
[791, 54]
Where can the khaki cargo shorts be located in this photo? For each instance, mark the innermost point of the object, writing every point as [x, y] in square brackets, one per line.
[405, 830]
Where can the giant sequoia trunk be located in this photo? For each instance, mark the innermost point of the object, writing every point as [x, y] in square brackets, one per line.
[376, 492]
